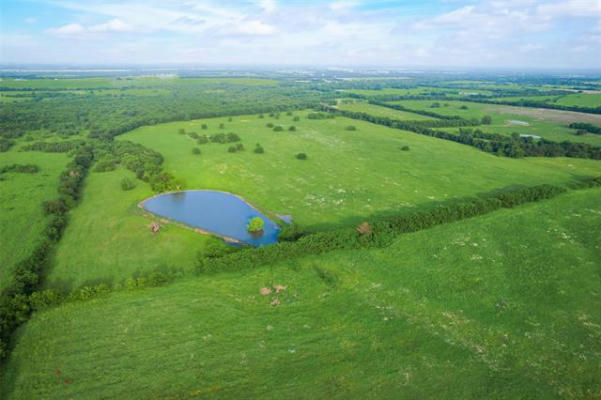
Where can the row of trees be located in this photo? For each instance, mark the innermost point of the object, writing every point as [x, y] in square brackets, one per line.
[381, 232]
[14, 299]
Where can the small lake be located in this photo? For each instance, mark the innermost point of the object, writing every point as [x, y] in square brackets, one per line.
[220, 213]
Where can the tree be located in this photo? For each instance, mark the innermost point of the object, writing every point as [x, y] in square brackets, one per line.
[127, 184]
[278, 128]
[203, 126]
[181, 131]
[196, 150]
[259, 149]
[255, 225]
[486, 120]
[292, 128]
[301, 156]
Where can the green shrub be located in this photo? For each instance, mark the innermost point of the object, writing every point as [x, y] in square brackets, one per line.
[232, 137]
[405, 148]
[195, 150]
[350, 128]
[232, 149]
[292, 128]
[301, 156]
[193, 135]
[181, 131]
[127, 184]
[259, 149]
[204, 126]
[278, 128]
[486, 120]
[296, 118]
[221, 126]
[270, 124]
[255, 224]
[239, 147]
[203, 139]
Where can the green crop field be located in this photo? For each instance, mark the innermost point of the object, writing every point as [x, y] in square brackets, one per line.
[473, 309]
[21, 195]
[420, 262]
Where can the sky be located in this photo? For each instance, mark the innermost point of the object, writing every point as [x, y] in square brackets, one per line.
[430, 33]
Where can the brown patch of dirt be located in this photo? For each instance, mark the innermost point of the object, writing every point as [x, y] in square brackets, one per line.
[547, 114]
[265, 291]
[279, 288]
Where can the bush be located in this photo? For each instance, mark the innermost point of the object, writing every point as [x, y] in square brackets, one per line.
[21, 168]
[259, 149]
[261, 116]
[181, 131]
[435, 105]
[239, 147]
[350, 128]
[232, 137]
[193, 135]
[204, 127]
[221, 126]
[255, 224]
[127, 184]
[486, 120]
[463, 107]
[301, 156]
[278, 128]
[202, 139]
[195, 150]
[270, 125]
[296, 118]
[232, 149]
[292, 128]
[405, 148]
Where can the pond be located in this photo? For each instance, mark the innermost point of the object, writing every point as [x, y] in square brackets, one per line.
[219, 213]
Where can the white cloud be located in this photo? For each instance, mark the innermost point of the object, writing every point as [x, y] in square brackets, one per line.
[268, 6]
[67, 30]
[113, 25]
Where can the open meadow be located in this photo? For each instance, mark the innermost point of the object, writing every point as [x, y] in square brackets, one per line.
[415, 259]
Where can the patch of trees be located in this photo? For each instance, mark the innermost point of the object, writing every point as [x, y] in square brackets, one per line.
[259, 149]
[582, 126]
[15, 306]
[319, 115]
[20, 168]
[53, 147]
[127, 184]
[425, 113]
[222, 138]
[6, 144]
[383, 230]
[236, 148]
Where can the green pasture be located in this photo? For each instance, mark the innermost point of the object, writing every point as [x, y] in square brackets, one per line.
[22, 220]
[505, 305]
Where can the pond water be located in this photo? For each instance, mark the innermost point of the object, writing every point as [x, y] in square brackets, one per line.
[220, 213]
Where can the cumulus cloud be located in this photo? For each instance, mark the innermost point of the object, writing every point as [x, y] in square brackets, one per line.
[67, 30]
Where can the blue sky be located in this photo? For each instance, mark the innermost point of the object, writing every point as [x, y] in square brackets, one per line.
[434, 33]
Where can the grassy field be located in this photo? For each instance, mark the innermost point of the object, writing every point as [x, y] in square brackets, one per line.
[340, 179]
[21, 195]
[591, 100]
[472, 309]
[361, 106]
[549, 124]
[109, 241]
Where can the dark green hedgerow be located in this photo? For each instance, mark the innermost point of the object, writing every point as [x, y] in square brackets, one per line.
[14, 299]
[381, 230]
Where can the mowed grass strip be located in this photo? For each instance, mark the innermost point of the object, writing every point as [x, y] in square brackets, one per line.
[22, 220]
[379, 111]
[501, 306]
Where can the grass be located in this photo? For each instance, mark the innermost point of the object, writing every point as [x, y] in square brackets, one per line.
[21, 195]
[339, 184]
[110, 240]
[472, 309]
[591, 100]
[543, 124]
[341, 179]
[361, 106]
